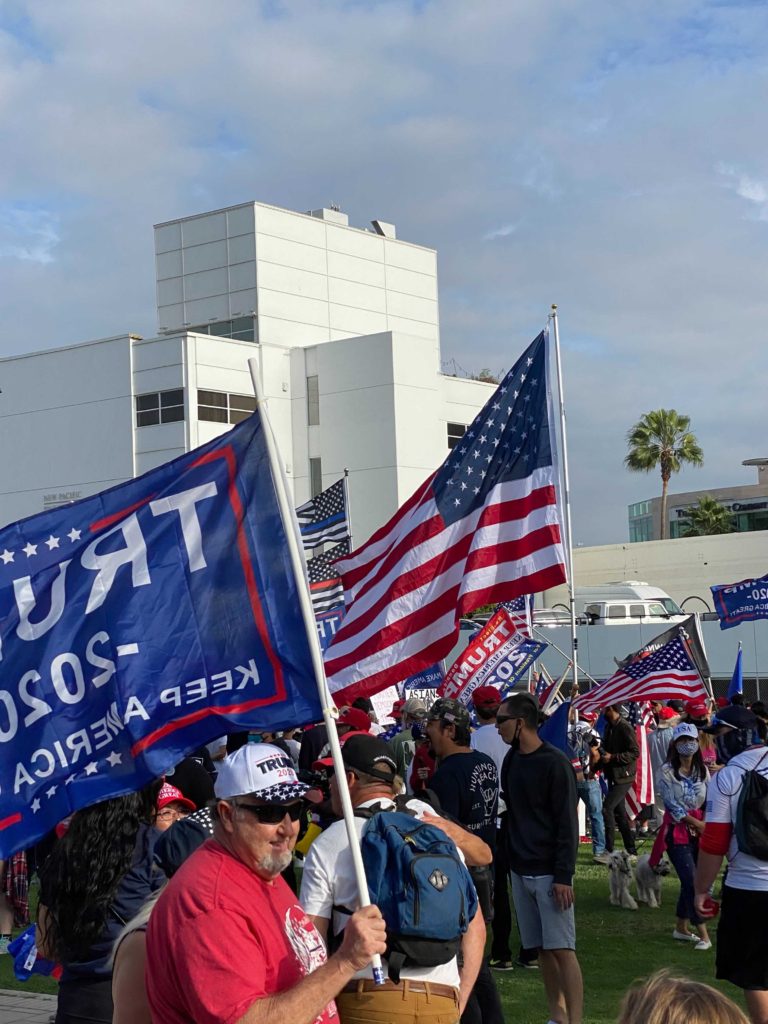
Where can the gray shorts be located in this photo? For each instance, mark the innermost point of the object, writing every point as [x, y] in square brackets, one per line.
[541, 923]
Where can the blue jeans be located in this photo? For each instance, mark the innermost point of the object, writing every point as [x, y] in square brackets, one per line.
[683, 857]
[589, 792]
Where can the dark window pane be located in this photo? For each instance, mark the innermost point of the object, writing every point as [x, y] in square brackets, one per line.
[168, 398]
[242, 323]
[205, 412]
[243, 402]
[313, 401]
[173, 415]
[238, 415]
[244, 335]
[223, 328]
[146, 419]
[215, 398]
[315, 476]
[149, 401]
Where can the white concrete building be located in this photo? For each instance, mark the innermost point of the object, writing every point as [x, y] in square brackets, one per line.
[348, 351]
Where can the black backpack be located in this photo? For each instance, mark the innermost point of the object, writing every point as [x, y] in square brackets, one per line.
[752, 814]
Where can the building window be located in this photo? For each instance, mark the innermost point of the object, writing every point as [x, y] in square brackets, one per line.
[241, 328]
[455, 434]
[221, 407]
[315, 477]
[159, 407]
[313, 402]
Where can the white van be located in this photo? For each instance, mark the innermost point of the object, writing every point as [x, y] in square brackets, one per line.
[626, 602]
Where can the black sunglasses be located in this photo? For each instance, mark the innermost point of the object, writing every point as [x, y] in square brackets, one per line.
[273, 814]
[505, 718]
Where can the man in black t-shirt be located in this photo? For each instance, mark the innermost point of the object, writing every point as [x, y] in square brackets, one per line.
[466, 783]
[538, 786]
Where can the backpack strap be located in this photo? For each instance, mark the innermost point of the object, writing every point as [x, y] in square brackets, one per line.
[395, 962]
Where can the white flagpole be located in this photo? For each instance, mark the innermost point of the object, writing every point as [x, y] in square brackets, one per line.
[566, 501]
[347, 508]
[330, 712]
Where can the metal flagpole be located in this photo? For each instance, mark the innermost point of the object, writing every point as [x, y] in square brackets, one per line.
[330, 712]
[566, 500]
[347, 508]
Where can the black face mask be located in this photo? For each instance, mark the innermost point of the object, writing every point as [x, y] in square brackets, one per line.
[731, 743]
[515, 744]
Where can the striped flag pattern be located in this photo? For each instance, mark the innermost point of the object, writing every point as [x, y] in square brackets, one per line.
[325, 586]
[521, 611]
[483, 528]
[664, 674]
[323, 519]
[641, 794]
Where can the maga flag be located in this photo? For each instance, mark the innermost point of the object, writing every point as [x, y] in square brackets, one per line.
[140, 623]
[483, 528]
[741, 602]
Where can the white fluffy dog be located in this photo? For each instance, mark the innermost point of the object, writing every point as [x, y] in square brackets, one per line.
[648, 881]
[620, 877]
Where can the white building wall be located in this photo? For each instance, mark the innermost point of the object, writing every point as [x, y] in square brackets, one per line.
[307, 279]
[66, 425]
[683, 568]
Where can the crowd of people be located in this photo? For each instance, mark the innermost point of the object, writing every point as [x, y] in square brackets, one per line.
[189, 901]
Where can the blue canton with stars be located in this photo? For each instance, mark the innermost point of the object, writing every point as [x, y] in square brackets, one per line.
[507, 440]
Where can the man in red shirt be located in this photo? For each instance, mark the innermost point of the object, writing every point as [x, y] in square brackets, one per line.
[227, 942]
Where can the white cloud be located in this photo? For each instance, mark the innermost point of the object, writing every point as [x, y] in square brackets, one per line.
[582, 140]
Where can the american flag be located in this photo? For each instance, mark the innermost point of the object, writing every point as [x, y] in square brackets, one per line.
[325, 586]
[483, 528]
[641, 794]
[323, 519]
[665, 674]
[521, 610]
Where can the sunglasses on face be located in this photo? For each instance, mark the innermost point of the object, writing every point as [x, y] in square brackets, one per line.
[273, 814]
[500, 719]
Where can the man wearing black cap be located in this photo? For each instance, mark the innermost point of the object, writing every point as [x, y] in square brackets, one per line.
[539, 788]
[328, 885]
[742, 951]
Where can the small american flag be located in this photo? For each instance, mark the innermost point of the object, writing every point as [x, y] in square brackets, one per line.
[323, 519]
[483, 528]
[667, 673]
[520, 610]
[641, 794]
[325, 586]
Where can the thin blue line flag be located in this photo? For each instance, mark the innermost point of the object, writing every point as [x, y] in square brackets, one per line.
[737, 679]
[140, 623]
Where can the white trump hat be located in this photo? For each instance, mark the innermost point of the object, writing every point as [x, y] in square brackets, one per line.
[260, 770]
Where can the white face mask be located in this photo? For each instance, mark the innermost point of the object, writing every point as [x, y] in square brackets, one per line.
[687, 748]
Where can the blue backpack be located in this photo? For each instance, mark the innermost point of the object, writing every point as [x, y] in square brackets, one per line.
[422, 887]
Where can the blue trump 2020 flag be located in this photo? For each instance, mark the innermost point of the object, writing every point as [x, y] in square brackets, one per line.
[741, 602]
[140, 623]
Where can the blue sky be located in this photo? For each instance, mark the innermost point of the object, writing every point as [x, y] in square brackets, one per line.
[610, 157]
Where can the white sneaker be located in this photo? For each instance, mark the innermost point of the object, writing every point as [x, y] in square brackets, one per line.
[684, 936]
[703, 944]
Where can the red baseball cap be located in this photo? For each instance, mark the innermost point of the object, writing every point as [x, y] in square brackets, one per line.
[357, 718]
[667, 713]
[588, 716]
[696, 709]
[327, 762]
[722, 702]
[397, 707]
[171, 795]
[486, 697]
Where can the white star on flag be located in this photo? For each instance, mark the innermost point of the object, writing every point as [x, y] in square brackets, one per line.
[52, 542]
[30, 549]
[35, 806]
[90, 769]
[115, 758]
[7, 556]
[74, 534]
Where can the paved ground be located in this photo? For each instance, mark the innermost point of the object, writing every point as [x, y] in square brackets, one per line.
[25, 1007]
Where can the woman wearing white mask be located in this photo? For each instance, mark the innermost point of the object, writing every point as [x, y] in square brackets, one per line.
[683, 788]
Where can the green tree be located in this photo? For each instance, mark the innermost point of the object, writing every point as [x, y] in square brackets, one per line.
[708, 518]
[662, 440]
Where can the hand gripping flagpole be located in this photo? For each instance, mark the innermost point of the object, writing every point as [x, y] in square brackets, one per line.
[566, 500]
[330, 712]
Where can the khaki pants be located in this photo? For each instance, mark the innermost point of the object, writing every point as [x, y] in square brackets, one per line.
[396, 1005]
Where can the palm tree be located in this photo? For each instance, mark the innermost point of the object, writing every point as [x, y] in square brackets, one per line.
[708, 518]
[662, 439]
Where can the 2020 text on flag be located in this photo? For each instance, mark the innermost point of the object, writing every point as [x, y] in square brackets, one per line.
[483, 528]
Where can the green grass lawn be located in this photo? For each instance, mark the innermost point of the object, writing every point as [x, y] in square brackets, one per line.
[615, 947]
